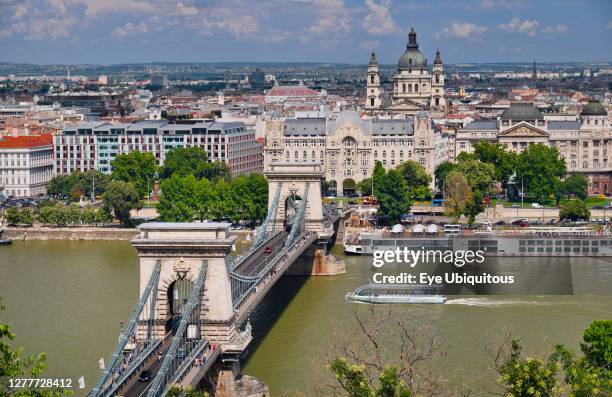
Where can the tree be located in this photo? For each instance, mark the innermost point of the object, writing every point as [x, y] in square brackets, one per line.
[457, 193]
[14, 365]
[12, 216]
[73, 214]
[354, 382]
[495, 154]
[26, 217]
[575, 185]
[137, 168]
[574, 210]
[77, 184]
[479, 175]
[474, 206]
[45, 215]
[194, 161]
[88, 216]
[120, 198]
[365, 186]
[539, 168]
[103, 216]
[377, 175]
[178, 202]
[392, 195]
[417, 178]
[443, 169]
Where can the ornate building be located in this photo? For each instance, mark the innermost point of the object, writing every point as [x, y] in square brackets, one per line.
[415, 89]
[349, 146]
[585, 143]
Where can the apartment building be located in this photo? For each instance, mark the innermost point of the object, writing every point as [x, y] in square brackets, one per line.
[26, 165]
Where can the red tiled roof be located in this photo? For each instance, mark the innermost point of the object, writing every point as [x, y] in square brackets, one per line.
[26, 141]
[292, 91]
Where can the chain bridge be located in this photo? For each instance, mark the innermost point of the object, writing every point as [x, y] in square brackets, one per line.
[190, 326]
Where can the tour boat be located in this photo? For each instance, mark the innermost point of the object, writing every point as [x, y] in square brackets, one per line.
[396, 293]
[4, 241]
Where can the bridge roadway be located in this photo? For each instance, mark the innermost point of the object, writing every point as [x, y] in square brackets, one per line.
[135, 388]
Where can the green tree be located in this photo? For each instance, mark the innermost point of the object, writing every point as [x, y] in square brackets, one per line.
[504, 162]
[119, 199]
[574, 210]
[575, 185]
[417, 178]
[539, 168]
[137, 168]
[353, 380]
[88, 216]
[45, 215]
[378, 174]
[392, 195]
[103, 216]
[457, 193]
[73, 214]
[26, 217]
[522, 376]
[365, 186]
[77, 184]
[194, 161]
[440, 173]
[474, 206]
[12, 216]
[479, 175]
[178, 201]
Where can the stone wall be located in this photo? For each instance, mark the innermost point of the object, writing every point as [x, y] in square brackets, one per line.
[69, 233]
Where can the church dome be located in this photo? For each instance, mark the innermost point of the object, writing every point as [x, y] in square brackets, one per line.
[593, 108]
[412, 57]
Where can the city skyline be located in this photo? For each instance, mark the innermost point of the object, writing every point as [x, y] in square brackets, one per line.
[326, 31]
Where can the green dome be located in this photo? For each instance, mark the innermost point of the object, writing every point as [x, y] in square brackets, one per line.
[412, 58]
[594, 108]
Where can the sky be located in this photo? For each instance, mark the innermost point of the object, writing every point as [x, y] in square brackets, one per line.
[335, 31]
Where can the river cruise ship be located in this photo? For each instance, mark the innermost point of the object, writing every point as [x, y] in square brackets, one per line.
[532, 241]
[396, 293]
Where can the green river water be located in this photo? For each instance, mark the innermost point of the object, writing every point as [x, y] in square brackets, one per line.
[67, 299]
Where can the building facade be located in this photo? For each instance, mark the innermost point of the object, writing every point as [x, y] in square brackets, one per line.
[26, 165]
[415, 88]
[585, 143]
[94, 145]
[349, 146]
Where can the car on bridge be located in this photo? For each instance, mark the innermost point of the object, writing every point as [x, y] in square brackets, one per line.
[268, 250]
[145, 376]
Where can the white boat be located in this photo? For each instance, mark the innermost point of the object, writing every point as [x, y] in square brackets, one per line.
[396, 293]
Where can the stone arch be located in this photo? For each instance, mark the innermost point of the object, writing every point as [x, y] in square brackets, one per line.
[348, 186]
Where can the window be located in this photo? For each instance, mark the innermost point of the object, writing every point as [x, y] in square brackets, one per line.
[585, 164]
[404, 87]
[371, 101]
[372, 78]
[409, 87]
[416, 88]
[573, 165]
[437, 78]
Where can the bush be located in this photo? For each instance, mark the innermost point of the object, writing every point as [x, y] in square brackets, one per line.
[574, 210]
[12, 216]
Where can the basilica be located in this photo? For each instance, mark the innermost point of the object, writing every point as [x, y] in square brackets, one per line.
[415, 87]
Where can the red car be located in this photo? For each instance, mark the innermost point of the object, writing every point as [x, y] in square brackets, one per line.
[268, 250]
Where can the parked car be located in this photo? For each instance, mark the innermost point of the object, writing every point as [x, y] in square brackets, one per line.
[536, 205]
[516, 206]
[521, 222]
[551, 221]
[500, 223]
[598, 207]
[268, 250]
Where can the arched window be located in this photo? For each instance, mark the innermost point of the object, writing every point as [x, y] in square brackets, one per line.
[409, 87]
[424, 87]
[401, 153]
[371, 101]
[296, 154]
[596, 121]
[313, 154]
[384, 153]
[437, 78]
[437, 101]
[416, 88]
[404, 87]
[372, 78]
[573, 163]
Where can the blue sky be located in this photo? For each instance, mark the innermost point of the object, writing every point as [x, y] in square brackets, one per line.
[119, 31]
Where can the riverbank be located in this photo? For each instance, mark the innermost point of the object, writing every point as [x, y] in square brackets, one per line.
[70, 233]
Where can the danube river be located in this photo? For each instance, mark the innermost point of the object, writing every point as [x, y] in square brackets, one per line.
[67, 299]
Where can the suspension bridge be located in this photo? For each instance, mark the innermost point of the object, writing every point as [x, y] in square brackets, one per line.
[190, 326]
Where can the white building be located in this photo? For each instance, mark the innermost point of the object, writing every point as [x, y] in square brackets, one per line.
[26, 165]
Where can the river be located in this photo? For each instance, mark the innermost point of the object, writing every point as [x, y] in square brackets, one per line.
[67, 299]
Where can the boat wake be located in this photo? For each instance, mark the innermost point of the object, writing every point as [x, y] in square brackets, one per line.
[488, 302]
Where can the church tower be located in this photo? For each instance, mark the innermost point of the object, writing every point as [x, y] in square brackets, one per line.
[373, 85]
[437, 84]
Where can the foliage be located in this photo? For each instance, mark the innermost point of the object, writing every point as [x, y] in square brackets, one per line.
[392, 195]
[194, 161]
[353, 380]
[365, 186]
[574, 210]
[377, 175]
[440, 173]
[14, 365]
[575, 185]
[479, 175]
[73, 214]
[417, 178]
[539, 168]
[495, 154]
[527, 376]
[474, 206]
[457, 193]
[26, 217]
[137, 168]
[77, 184]
[119, 198]
[88, 215]
[12, 216]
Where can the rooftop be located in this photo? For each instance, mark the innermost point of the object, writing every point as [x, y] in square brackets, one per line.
[26, 141]
[522, 111]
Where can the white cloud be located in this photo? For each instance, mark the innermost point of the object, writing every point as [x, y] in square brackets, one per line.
[516, 25]
[95, 8]
[507, 4]
[129, 29]
[463, 30]
[609, 25]
[185, 10]
[332, 20]
[379, 20]
[560, 29]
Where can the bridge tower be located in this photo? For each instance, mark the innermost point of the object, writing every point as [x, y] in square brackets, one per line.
[181, 248]
[292, 179]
